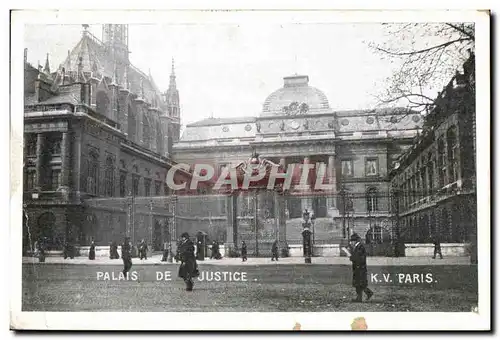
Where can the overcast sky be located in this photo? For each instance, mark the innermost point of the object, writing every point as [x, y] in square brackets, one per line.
[229, 69]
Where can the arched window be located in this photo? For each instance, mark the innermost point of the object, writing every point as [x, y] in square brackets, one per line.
[146, 131]
[371, 199]
[452, 143]
[430, 173]
[441, 163]
[159, 139]
[93, 174]
[102, 103]
[135, 180]
[109, 177]
[132, 124]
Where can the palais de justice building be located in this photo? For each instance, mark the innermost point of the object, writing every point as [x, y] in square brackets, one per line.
[297, 125]
[100, 137]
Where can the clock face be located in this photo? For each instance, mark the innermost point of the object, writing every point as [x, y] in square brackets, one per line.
[295, 125]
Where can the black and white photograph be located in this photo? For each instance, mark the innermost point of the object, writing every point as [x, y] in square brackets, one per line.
[297, 170]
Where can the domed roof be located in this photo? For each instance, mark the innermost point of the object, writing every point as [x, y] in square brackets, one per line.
[296, 97]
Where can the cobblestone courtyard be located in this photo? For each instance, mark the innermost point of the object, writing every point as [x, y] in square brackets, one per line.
[277, 287]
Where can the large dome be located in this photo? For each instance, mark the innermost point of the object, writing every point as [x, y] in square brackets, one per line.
[296, 97]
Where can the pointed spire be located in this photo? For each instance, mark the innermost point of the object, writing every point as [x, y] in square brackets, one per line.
[125, 78]
[46, 69]
[69, 61]
[172, 76]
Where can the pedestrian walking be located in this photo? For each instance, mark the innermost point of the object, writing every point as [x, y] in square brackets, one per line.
[92, 251]
[113, 251]
[359, 269]
[188, 268]
[243, 251]
[126, 255]
[143, 250]
[437, 248]
[215, 251]
[274, 250]
[68, 250]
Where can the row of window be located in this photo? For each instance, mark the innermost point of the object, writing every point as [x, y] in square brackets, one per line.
[435, 170]
[52, 143]
[30, 180]
[371, 167]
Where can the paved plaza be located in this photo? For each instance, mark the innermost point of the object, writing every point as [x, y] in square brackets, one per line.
[337, 260]
[404, 284]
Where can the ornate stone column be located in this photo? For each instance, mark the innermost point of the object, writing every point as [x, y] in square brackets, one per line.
[332, 179]
[231, 221]
[40, 155]
[65, 161]
[279, 208]
[306, 201]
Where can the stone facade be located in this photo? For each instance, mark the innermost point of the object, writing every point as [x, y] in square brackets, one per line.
[435, 181]
[298, 126]
[98, 133]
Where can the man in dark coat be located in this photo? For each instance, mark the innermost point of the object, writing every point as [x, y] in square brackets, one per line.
[188, 268]
[274, 250]
[143, 250]
[437, 248]
[215, 251]
[359, 270]
[113, 251]
[92, 251]
[243, 251]
[69, 250]
[126, 256]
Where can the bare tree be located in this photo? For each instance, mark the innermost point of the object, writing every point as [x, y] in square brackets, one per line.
[426, 56]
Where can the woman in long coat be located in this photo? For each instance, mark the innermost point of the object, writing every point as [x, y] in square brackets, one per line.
[188, 268]
[92, 251]
[359, 269]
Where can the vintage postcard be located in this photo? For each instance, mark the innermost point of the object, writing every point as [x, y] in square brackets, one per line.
[295, 170]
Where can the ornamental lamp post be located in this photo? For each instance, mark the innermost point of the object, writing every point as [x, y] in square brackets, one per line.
[306, 236]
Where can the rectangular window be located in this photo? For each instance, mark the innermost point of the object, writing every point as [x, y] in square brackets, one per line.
[123, 184]
[55, 179]
[157, 188]
[165, 189]
[347, 168]
[30, 180]
[147, 187]
[54, 143]
[135, 185]
[30, 144]
[371, 167]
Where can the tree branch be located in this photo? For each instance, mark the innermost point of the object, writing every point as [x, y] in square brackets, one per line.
[461, 30]
[446, 44]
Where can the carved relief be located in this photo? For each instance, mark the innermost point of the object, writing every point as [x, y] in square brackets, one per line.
[331, 124]
[258, 126]
[282, 125]
[295, 108]
[306, 124]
